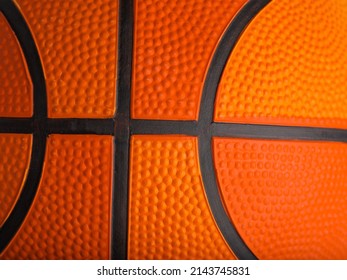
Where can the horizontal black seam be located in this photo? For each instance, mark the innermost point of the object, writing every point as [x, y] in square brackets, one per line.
[16, 125]
[159, 127]
[80, 126]
[277, 132]
[163, 127]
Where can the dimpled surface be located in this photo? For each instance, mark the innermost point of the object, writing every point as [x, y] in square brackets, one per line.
[77, 44]
[174, 41]
[289, 67]
[15, 83]
[169, 217]
[287, 199]
[15, 150]
[69, 218]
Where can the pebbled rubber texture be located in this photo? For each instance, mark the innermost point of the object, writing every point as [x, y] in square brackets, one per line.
[70, 216]
[289, 67]
[174, 41]
[287, 199]
[16, 91]
[15, 151]
[77, 43]
[169, 217]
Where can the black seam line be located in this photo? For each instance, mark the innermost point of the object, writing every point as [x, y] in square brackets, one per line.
[119, 220]
[16, 125]
[80, 126]
[277, 132]
[155, 127]
[219, 60]
[58, 126]
[167, 127]
[27, 195]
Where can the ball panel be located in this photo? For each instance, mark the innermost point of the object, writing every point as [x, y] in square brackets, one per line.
[174, 41]
[70, 216]
[169, 216]
[15, 150]
[77, 41]
[16, 91]
[289, 67]
[287, 199]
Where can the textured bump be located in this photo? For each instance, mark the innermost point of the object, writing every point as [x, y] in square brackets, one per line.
[15, 83]
[15, 150]
[169, 217]
[174, 42]
[77, 44]
[287, 199]
[289, 67]
[70, 216]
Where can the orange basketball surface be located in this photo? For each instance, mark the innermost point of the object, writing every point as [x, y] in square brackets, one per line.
[288, 195]
[169, 216]
[77, 45]
[16, 88]
[14, 156]
[289, 67]
[69, 218]
[150, 129]
[174, 41]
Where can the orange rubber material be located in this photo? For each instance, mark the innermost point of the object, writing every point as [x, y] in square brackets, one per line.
[169, 216]
[289, 67]
[174, 42]
[287, 199]
[16, 91]
[15, 150]
[77, 44]
[70, 216]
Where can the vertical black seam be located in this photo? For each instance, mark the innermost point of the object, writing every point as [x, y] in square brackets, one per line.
[119, 231]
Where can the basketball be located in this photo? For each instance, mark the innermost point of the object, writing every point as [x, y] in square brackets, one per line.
[166, 129]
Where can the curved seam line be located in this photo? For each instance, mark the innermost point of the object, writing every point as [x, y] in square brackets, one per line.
[22, 32]
[218, 62]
